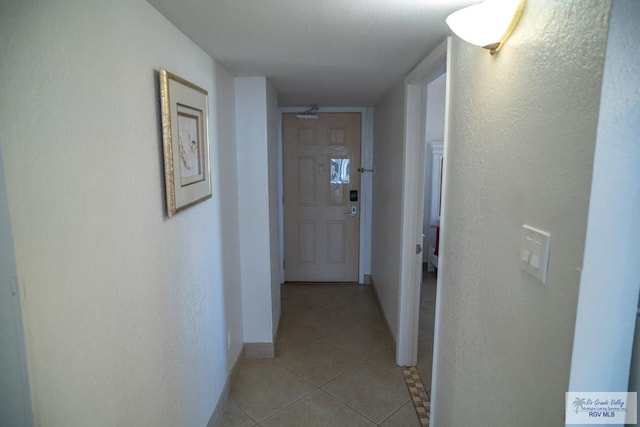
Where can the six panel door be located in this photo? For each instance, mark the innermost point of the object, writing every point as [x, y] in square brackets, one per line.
[321, 197]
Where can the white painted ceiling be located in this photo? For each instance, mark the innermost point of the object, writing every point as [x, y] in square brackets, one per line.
[324, 52]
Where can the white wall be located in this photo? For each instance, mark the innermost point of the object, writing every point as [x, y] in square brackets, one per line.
[225, 173]
[434, 131]
[387, 201]
[124, 309]
[15, 397]
[253, 186]
[611, 277]
[520, 151]
[634, 374]
[274, 204]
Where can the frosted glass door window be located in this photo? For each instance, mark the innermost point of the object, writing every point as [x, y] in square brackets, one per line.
[339, 171]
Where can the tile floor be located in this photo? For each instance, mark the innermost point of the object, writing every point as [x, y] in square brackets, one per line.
[425, 330]
[334, 364]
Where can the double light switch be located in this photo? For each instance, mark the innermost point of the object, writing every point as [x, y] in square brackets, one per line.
[534, 252]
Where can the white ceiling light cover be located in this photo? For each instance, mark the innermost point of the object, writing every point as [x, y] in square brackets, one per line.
[486, 24]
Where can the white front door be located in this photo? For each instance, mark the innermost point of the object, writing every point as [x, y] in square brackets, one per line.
[321, 197]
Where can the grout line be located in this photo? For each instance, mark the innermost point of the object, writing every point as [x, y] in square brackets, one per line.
[358, 365]
[287, 405]
[398, 410]
[362, 365]
[349, 406]
[243, 411]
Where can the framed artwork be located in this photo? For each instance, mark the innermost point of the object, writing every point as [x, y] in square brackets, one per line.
[185, 140]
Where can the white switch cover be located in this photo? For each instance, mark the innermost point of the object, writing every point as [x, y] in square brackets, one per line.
[534, 252]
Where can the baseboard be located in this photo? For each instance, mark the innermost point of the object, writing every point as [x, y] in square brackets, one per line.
[384, 317]
[276, 303]
[259, 350]
[216, 416]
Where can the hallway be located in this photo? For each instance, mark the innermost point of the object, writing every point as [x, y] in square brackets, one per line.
[334, 364]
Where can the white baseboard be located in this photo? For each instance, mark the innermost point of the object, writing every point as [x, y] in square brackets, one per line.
[216, 416]
[259, 350]
[384, 317]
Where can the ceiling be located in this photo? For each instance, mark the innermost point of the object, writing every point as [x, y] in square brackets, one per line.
[324, 52]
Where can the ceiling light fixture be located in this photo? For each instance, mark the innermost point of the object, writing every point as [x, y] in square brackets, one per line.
[487, 24]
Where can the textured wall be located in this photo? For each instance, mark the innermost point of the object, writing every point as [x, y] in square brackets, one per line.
[253, 187]
[611, 275]
[123, 308]
[387, 201]
[15, 397]
[435, 109]
[522, 134]
[225, 170]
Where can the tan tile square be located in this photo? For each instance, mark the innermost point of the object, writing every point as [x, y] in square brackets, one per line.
[330, 321]
[292, 306]
[365, 313]
[234, 417]
[299, 335]
[357, 308]
[285, 347]
[320, 362]
[263, 386]
[386, 359]
[318, 320]
[370, 390]
[317, 409]
[404, 417]
[362, 340]
[363, 291]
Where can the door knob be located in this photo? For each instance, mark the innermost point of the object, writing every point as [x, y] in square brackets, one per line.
[353, 212]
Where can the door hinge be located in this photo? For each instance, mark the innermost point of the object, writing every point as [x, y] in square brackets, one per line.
[418, 249]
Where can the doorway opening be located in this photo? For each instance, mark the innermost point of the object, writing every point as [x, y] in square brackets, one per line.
[364, 204]
[417, 154]
[430, 69]
[321, 158]
[434, 161]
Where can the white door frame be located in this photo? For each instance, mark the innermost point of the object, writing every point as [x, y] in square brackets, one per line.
[610, 278]
[366, 183]
[17, 410]
[413, 187]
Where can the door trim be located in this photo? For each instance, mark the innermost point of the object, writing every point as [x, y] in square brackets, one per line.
[366, 183]
[413, 183]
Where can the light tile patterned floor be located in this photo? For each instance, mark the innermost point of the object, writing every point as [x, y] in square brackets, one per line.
[425, 330]
[419, 396]
[334, 365]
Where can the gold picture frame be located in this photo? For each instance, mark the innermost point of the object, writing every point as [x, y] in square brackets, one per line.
[185, 140]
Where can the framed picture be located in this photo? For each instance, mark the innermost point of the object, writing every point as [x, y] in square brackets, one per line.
[185, 137]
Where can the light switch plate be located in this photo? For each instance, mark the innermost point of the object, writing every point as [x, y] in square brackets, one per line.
[534, 252]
